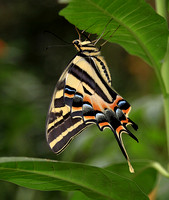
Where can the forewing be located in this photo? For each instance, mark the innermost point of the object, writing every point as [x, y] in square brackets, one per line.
[62, 126]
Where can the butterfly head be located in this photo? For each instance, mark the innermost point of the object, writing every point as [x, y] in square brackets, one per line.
[85, 46]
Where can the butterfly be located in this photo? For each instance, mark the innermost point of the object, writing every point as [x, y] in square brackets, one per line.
[83, 96]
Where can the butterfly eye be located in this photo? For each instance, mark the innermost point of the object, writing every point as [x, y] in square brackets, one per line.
[76, 42]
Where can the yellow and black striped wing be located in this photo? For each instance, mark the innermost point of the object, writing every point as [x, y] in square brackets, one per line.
[83, 96]
[61, 126]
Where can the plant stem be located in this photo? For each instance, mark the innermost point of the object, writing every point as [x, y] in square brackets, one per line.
[164, 73]
[166, 107]
[165, 76]
[161, 8]
[160, 169]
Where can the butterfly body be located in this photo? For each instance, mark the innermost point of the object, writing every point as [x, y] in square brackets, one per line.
[83, 96]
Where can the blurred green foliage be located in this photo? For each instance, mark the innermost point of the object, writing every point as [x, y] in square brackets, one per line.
[28, 74]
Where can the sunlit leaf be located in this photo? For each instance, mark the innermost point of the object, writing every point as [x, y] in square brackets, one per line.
[46, 175]
[142, 32]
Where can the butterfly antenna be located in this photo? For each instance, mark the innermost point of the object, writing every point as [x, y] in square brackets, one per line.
[88, 37]
[96, 41]
[83, 32]
[57, 45]
[88, 28]
[110, 36]
[78, 33]
[57, 37]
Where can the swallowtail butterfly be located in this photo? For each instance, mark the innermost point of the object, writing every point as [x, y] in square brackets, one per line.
[84, 96]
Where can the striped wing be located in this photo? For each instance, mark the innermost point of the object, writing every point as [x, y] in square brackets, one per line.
[83, 97]
[61, 126]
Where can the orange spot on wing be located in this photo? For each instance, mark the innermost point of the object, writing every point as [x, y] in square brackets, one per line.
[126, 121]
[69, 95]
[87, 98]
[99, 104]
[101, 124]
[89, 117]
[104, 105]
[119, 129]
[118, 98]
[74, 109]
[96, 107]
[114, 104]
[127, 111]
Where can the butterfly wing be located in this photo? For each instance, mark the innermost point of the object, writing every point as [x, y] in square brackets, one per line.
[84, 97]
[63, 124]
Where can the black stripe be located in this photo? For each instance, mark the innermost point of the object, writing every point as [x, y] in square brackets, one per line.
[111, 91]
[133, 124]
[53, 116]
[60, 84]
[120, 144]
[59, 122]
[104, 68]
[89, 51]
[90, 45]
[62, 125]
[86, 91]
[55, 126]
[61, 145]
[69, 90]
[77, 113]
[77, 100]
[59, 102]
[68, 101]
[84, 77]
[90, 61]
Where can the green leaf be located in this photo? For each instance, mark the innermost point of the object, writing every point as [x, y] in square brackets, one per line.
[142, 32]
[47, 175]
[78, 195]
[144, 173]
